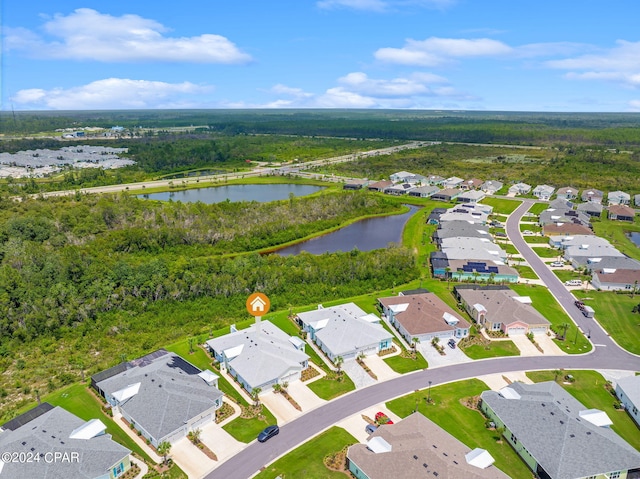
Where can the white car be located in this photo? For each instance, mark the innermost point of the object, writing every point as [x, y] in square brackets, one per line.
[573, 282]
[557, 264]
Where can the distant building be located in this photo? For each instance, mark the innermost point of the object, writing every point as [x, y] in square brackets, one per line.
[471, 196]
[472, 184]
[543, 192]
[491, 187]
[592, 195]
[592, 209]
[453, 182]
[380, 185]
[520, 189]
[424, 191]
[567, 193]
[611, 279]
[447, 194]
[618, 198]
[621, 213]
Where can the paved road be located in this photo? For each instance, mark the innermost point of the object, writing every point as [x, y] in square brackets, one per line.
[608, 356]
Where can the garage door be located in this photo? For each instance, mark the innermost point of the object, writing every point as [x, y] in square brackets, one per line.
[516, 330]
[541, 330]
[201, 422]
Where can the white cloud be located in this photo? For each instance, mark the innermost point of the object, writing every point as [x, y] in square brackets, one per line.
[382, 5]
[436, 51]
[113, 94]
[281, 89]
[634, 105]
[87, 34]
[620, 64]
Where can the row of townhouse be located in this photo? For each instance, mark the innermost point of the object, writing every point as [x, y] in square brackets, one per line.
[571, 193]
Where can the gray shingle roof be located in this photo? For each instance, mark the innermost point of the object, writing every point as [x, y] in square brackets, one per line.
[49, 433]
[171, 393]
[546, 421]
[266, 354]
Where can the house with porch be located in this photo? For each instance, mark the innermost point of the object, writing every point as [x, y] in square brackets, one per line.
[519, 189]
[471, 196]
[618, 198]
[472, 184]
[416, 447]
[557, 436]
[161, 395]
[62, 445]
[260, 356]
[491, 187]
[423, 316]
[501, 309]
[592, 209]
[424, 191]
[543, 192]
[621, 213]
[592, 196]
[345, 331]
[379, 185]
[616, 279]
[453, 182]
[628, 392]
[481, 271]
[567, 193]
[446, 194]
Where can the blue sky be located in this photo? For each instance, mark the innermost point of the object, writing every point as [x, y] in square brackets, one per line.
[518, 55]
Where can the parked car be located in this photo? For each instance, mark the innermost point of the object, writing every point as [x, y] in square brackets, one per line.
[268, 433]
[382, 418]
[370, 428]
[452, 343]
[557, 264]
[501, 234]
[573, 282]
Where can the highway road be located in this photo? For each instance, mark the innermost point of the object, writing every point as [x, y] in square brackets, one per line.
[606, 355]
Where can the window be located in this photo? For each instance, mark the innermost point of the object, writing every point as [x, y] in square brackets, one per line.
[514, 439]
[119, 469]
[614, 475]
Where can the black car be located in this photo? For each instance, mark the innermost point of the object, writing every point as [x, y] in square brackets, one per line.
[268, 433]
[452, 343]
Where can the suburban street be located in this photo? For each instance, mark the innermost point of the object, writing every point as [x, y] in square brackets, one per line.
[605, 355]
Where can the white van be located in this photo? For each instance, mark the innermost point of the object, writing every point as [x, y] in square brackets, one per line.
[573, 282]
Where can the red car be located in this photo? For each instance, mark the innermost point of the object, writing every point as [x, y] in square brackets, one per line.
[382, 418]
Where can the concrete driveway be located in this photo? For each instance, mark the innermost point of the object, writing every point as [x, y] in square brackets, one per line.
[499, 381]
[283, 410]
[526, 347]
[380, 368]
[191, 460]
[548, 346]
[358, 375]
[355, 424]
[223, 444]
[304, 396]
[435, 359]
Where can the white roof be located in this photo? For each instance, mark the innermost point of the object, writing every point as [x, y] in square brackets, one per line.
[126, 393]
[479, 458]
[370, 318]
[88, 430]
[609, 270]
[208, 376]
[509, 393]
[450, 318]
[296, 341]
[479, 307]
[399, 308]
[378, 444]
[523, 299]
[234, 351]
[596, 417]
[318, 325]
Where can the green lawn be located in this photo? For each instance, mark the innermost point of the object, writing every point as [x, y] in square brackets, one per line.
[247, 429]
[509, 248]
[589, 389]
[567, 274]
[330, 388]
[613, 312]
[501, 206]
[547, 252]
[615, 233]
[199, 358]
[405, 365]
[538, 208]
[526, 272]
[545, 303]
[466, 424]
[530, 227]
[536, 239]
[493, 350]
[306, 461]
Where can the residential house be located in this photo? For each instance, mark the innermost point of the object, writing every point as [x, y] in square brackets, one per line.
[501, 309]
[567, 193]
[424, 191]
[423, 316]
[592, 196]
[380, 185]
[592, 209]
[610, 262]
[398, 189]
[407, 177]
[345, 331]
[558, 437]
[519, 189]
[618, 198]
[621, 213]
[628, 392]
[472, 184]
[434, 216]
[555, 230]
[439, 264]
[636, 201]
[162, 395]
[582, 250]
[471, 196]
[611, 279]
[447, 194]
[435, 180]
[260, 356]
[451, 229]
[481, 271]
[453, 182]
[62, 445]
[416, 447]
[543, 192]
[556, 216]
[472, 248]
[491, 187]
[460, 213]
[354, 184]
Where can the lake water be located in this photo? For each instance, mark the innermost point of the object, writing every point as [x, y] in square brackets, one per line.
[635, 237]
[366, 235]
[218, 194]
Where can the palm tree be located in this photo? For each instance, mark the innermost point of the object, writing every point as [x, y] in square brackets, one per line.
[414, 343]
[255, 395]
[163, 449]
[556, 374]
[564, 327]
[195, 435]
[285, 385]
[338, 362]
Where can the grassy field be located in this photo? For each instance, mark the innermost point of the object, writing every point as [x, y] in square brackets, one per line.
[538, 208]
[589, 389]
[536, 239]
[307, 460]
[467, 425]
[547, 252]
[567, 274]
[501, 206]
[530, 227]
[404, 365]
[328, 389]
[526, 272]
[615, 233]
[493, 350]
[546, 305]
[613, 312]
